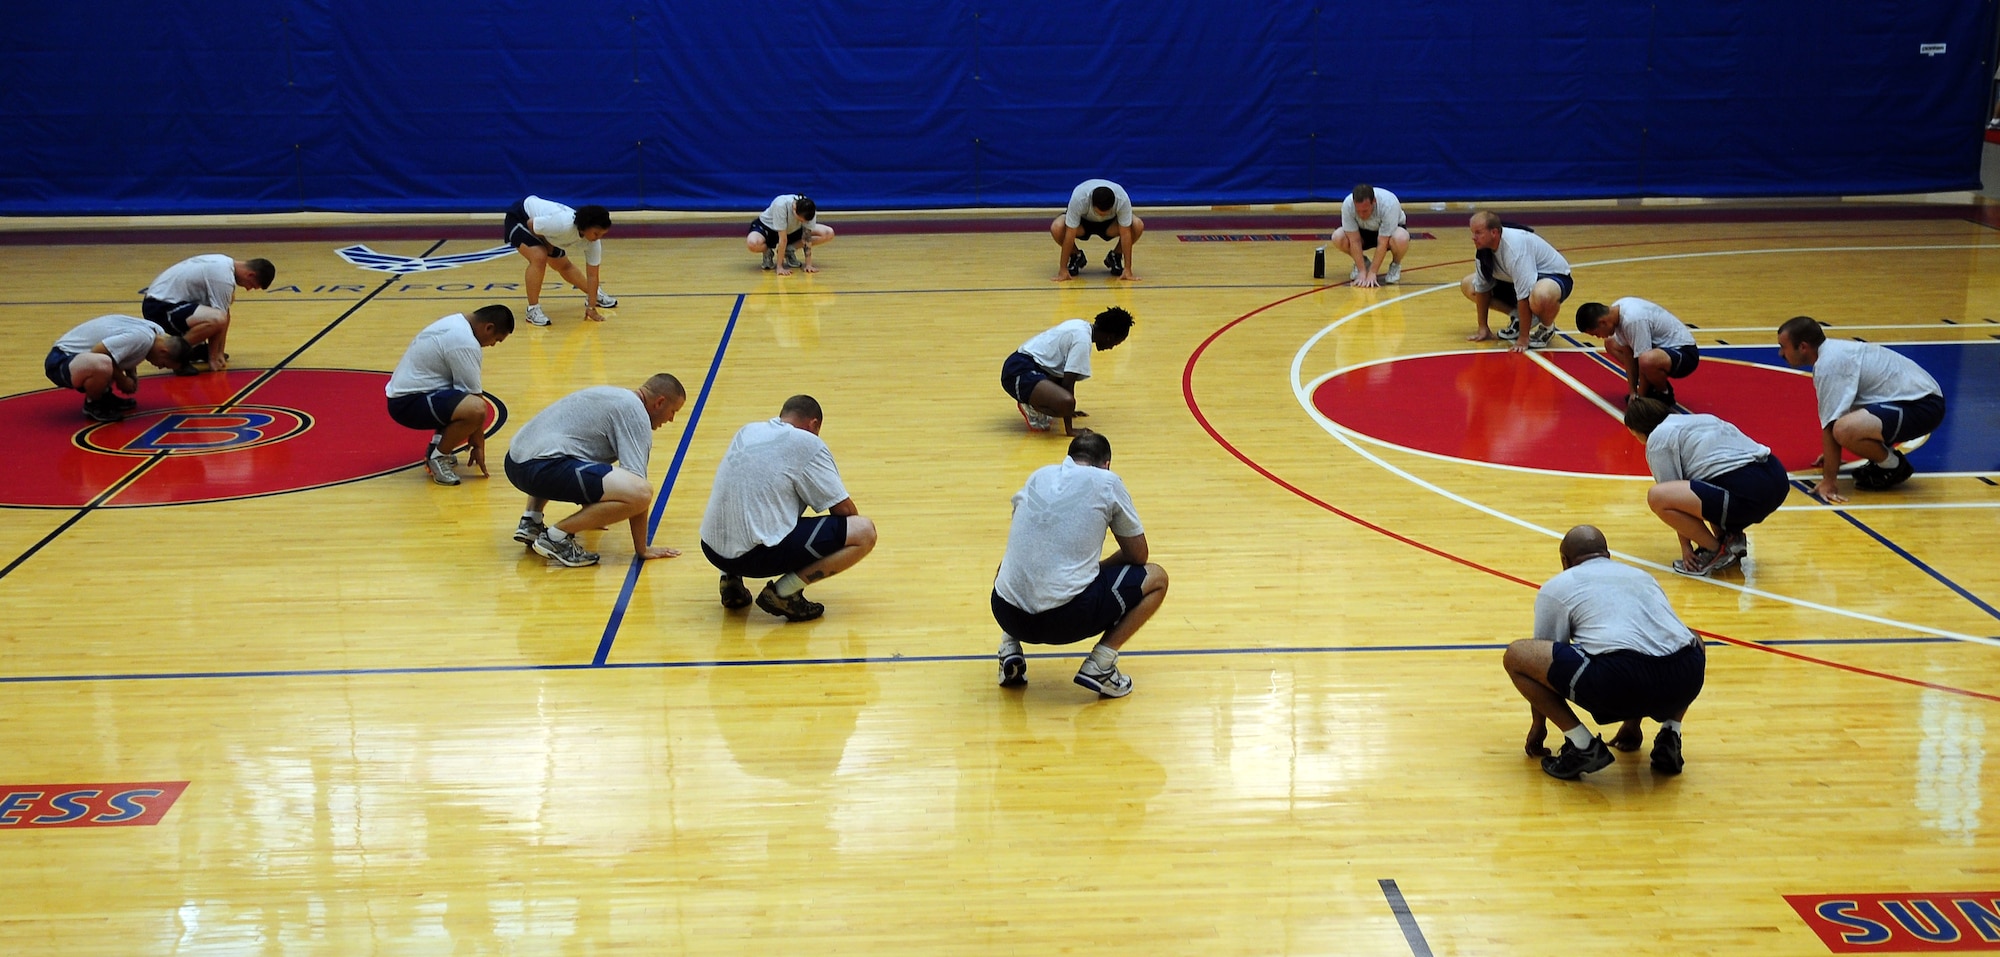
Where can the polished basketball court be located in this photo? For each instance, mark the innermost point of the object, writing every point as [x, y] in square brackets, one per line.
[360, 719]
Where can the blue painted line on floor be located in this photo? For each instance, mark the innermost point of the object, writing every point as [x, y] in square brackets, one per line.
[1413, 934]
[1899, 552]
[876, 660]
[666, 488]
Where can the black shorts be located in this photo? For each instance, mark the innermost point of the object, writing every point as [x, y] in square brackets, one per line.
[56, 367]
[514, 231]
[813, 538]
[1371, 238]
[1623, 685]
[429, 411]
[1101, 228]
[1093, 611]
[792, 238]
[1503, 292]
[560, 479]
[1742, 497]
[171, 316]
[1681, 360]
[1019, 374]
[1903, 421]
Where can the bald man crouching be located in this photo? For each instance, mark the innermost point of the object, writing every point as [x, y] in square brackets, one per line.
[1605, 638]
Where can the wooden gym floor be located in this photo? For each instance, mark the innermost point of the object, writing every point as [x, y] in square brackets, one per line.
[400, 734]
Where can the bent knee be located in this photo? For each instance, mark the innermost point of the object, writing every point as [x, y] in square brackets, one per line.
[1156, 578]
[861, 532]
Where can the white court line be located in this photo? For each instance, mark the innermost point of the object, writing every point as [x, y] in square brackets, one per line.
[1986, 327]
[1886, 507]
[1332, 428]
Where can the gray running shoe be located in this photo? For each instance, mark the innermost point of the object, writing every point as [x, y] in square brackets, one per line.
[536, 317]
[528, 531]
[606, 300]
[443, 468]
[792, 258]
[1395, 273]
[568, 551]
[1540, 336]
[1013, 664]
[770, 259]
[1108, 684]
[1575, 762]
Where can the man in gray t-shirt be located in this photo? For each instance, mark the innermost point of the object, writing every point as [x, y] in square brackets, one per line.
[786, 227]
[1652, 345]
[1871, 399]
[774, 472]
[1607, 639]
[1372, 218]
[1097, 207]
[565, 454]
[1517, 271]
[103, 354]
[1054, 587]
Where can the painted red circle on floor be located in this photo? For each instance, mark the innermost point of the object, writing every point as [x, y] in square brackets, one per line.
[196, 439]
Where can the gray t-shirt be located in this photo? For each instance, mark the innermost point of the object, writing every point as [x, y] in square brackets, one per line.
[1062, 350]
[1388, 213]
[127, 338]
[1849, 375]
[1079, 204]
[600, 424]
[208, 280]
[443, 356]
[782, 216]
[1057, 535]
[557, 224]
[1644, 326]
[772, 473]
[1600, 606]
[1521, 258]
[1699, 447]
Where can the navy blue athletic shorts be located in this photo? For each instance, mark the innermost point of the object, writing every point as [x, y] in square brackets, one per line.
[1681, 360]
[1503, 291]
[429, 411]
[1742, 497]
[1019, 374]
[792, 239]
[1903, 421]
[514, 231]
[1622, 685]
[813, 538]
[1101, 228]
[560, 479]
[171, 316]
[1092, 612]
[56, 367]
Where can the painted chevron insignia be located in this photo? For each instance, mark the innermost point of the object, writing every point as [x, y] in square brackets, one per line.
[369, 259]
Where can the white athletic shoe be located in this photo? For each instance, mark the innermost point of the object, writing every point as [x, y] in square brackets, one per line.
[1541, 335]
[536, 317]
[606, 300]
[1395, 273]
[1036, 419]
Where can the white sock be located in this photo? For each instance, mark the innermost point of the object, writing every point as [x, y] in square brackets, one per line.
[1580, 736]
[533, 516]
[1674, 726]
[1892, 461]
[791, 584]
[557, 535]
[437, 438]
[1103, 658]
[1009, 647]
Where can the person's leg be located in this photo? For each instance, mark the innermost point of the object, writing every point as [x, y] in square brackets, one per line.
[1399, 244]
[819, 234]
[1153, 588]
[1630, 735]
[1527, 662]
[1654, 366]
[1860, 432]
[568, 269]
[755, 242]
[1619, 353]
[1481, 303]
[1545, 300]
[466, 418]
[1050, 398]
[1680, 508]
[538, 267]
[91, 373]
[625, 495]
[860, 541]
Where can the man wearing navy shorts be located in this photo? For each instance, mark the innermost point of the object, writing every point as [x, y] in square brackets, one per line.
[193, 300]
[1100, 208]
[1652, 345]
[1607, 639]
[1053, 588]
[436, 387]
[545, 233]
[1518, 271]
[1870, 400]
[565, 454]
[1371, 218]
[775, 472]
[1714, 482]
[1043, 373]
[786, 228]
[103, 354]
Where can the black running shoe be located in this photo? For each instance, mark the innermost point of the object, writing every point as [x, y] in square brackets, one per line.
[1077, 260]
[1667, 752]
[1114, 262]
[1576, 762]
[1870, 477]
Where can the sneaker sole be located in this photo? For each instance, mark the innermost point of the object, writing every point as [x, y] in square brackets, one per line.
[1590, 768]
[1667, 765]
[781, 612]
[1013, 672]
[526, 538]
[1101, 688]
